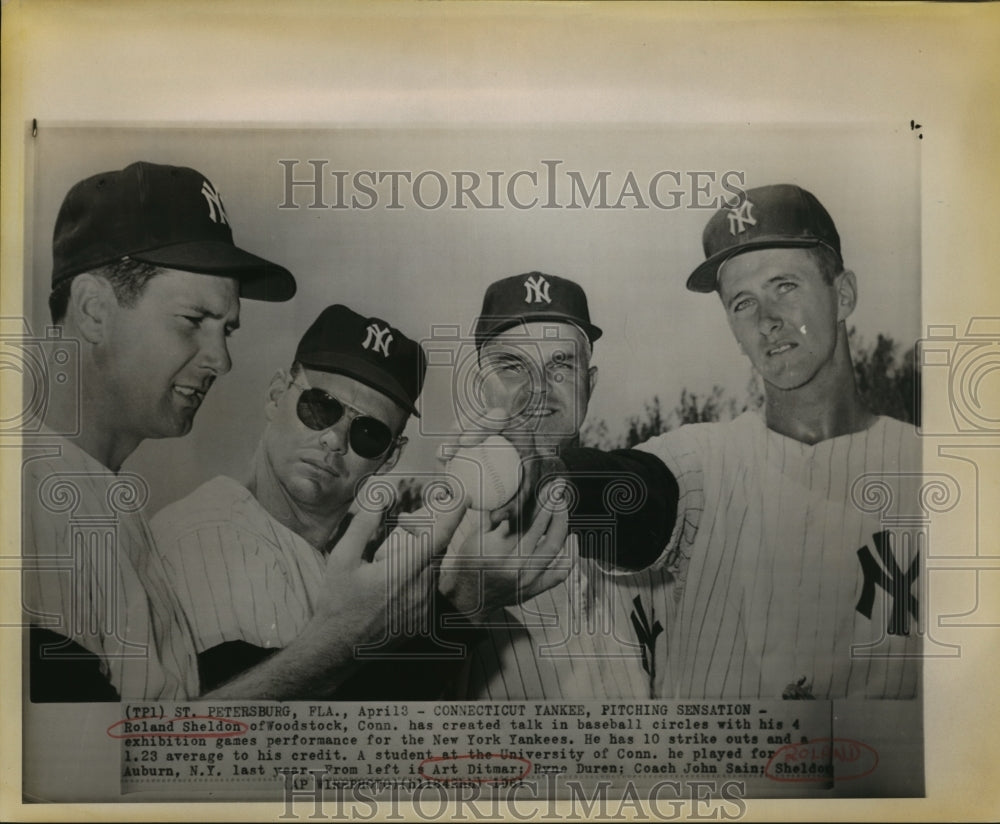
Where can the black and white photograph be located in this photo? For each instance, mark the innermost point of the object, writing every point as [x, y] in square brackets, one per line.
[582, 462]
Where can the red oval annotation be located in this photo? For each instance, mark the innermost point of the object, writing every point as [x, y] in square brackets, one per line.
[490, 772]
[822, 759]
[137, 727]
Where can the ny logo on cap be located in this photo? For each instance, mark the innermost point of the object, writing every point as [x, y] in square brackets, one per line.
[216, 210]
[378, 339]
[536, 290]
[740, 217]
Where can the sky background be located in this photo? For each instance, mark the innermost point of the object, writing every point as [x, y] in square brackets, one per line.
[424, 268]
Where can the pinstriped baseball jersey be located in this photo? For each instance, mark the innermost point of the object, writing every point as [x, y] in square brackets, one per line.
[790, 582]
[578, 639]
[240, 575]
[93, 576]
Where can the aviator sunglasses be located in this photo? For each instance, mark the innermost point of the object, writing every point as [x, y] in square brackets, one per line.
[368, 437]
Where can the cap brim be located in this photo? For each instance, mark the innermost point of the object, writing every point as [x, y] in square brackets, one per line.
[259, 279]
[488, 327]
[361, 370]
[705, 277]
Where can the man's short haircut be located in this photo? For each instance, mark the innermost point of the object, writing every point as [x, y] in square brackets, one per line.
[128, 279]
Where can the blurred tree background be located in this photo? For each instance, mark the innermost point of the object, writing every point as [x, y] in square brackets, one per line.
[887, 379]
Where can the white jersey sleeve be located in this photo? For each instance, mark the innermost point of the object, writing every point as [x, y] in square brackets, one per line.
[92, 575]
[240, 575]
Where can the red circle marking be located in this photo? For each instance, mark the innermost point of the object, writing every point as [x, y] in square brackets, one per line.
[848, 759]
[482, 756]
[224, 734]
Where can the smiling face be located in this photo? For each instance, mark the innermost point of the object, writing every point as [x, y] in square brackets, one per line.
[159, 356]
[785, 314]
[542, 381]
[318, 468]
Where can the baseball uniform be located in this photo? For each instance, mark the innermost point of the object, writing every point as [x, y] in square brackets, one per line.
[577, 640]
[91, 576]
[788, 582]
[249, 585]
[240, 575]
[590, 636]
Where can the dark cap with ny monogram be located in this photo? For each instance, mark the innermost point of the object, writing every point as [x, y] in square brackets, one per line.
[533, 296]
[778, 216]
[366, 349]
[169, 216]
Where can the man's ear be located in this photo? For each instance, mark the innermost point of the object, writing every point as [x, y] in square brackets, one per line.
[846, 285]
[591, 381]
[394, 455]
[276, 389]
[92, 302]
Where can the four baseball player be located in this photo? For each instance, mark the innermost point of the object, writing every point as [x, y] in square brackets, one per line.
[738, 559]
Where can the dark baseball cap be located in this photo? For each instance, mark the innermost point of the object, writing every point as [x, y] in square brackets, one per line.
[778, 216]
[169, 216]
[366, 349]
[533, 296]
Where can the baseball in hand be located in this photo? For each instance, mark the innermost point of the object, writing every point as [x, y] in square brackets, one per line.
[489, 474]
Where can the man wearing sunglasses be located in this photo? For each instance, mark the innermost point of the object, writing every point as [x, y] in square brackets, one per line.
[247, 557]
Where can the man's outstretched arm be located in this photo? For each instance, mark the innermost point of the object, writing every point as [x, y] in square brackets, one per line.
[634, 487]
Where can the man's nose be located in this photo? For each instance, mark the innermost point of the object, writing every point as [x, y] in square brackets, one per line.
[769, 320]
[215, 354]
[335, 438]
